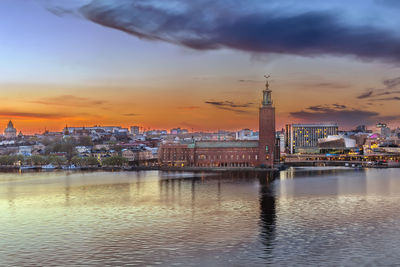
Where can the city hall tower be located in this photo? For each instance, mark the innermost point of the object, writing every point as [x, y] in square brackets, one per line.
[266, 145]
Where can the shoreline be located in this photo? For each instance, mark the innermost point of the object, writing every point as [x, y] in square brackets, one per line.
[5, 169]
[143, 168]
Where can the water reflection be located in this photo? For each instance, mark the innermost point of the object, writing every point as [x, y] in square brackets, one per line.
[315, 171]
[299, 217]
[267, 211]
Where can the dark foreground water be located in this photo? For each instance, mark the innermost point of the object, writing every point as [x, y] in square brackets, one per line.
[303, 217]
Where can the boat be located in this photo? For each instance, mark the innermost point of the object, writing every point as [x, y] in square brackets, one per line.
[48, 167]
[26, 167]
[70, 167]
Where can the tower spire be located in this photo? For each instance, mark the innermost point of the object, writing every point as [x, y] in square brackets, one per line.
[266, 81]
[267, 100]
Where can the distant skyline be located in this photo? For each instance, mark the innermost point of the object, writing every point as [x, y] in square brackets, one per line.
[197, 64]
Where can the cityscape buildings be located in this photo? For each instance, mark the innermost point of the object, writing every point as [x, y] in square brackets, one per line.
[178, 131]
[305, 136]
[135, 130]
[385, 131]
[247, 134]
[234, 153]
[180, 148]
[205, 149]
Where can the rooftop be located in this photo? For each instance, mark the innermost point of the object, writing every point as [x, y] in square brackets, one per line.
[226, 144]
[316, 125]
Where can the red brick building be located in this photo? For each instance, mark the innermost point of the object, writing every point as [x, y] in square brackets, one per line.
[267, 139]
[210, 154]
[260, 153]
[175, 155]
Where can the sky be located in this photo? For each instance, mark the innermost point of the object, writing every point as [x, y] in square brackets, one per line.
[197, 64]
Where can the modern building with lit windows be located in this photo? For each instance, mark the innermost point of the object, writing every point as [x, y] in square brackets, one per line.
[303, 137]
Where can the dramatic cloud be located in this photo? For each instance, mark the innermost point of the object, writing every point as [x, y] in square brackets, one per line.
[339, 106]
[333, 85]
[69, 100]
[32, 115]
[230, 105]
[131, 114]
[244, 25]
[395, 98]
[389, 85]
[327, 108]
[344, 116]
[366, 94]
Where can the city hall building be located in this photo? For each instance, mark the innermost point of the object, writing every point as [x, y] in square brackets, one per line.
[240, 153]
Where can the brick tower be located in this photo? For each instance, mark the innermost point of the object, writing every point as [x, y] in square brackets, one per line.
[266, 145]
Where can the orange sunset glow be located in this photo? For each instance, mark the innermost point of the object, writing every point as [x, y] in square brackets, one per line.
[82, 73]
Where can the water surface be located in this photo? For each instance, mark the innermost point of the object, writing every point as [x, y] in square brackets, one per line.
[304, 216]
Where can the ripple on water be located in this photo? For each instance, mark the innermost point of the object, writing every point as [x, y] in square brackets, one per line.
[150, 218]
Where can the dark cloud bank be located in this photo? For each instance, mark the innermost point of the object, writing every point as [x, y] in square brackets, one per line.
[390, 87]
[345, 116]
[69, 100]
[241, 25]
[231, 106]
[33, 115]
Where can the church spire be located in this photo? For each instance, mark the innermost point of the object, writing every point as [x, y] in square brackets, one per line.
[267, 100]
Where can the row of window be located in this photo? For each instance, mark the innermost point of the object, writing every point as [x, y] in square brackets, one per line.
[210, 157]
[215, 157]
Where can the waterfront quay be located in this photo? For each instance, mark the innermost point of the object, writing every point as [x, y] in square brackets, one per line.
[286, 161]
[372, 160]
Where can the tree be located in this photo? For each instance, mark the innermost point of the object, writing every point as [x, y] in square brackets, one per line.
[117, 148]
[20, 158]
[36, 160]
[7, 160]
[87, 161]
[57, 160]
[66, 145]
[77, 161]
[115, 161]
[92, 161]
[11, 159]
